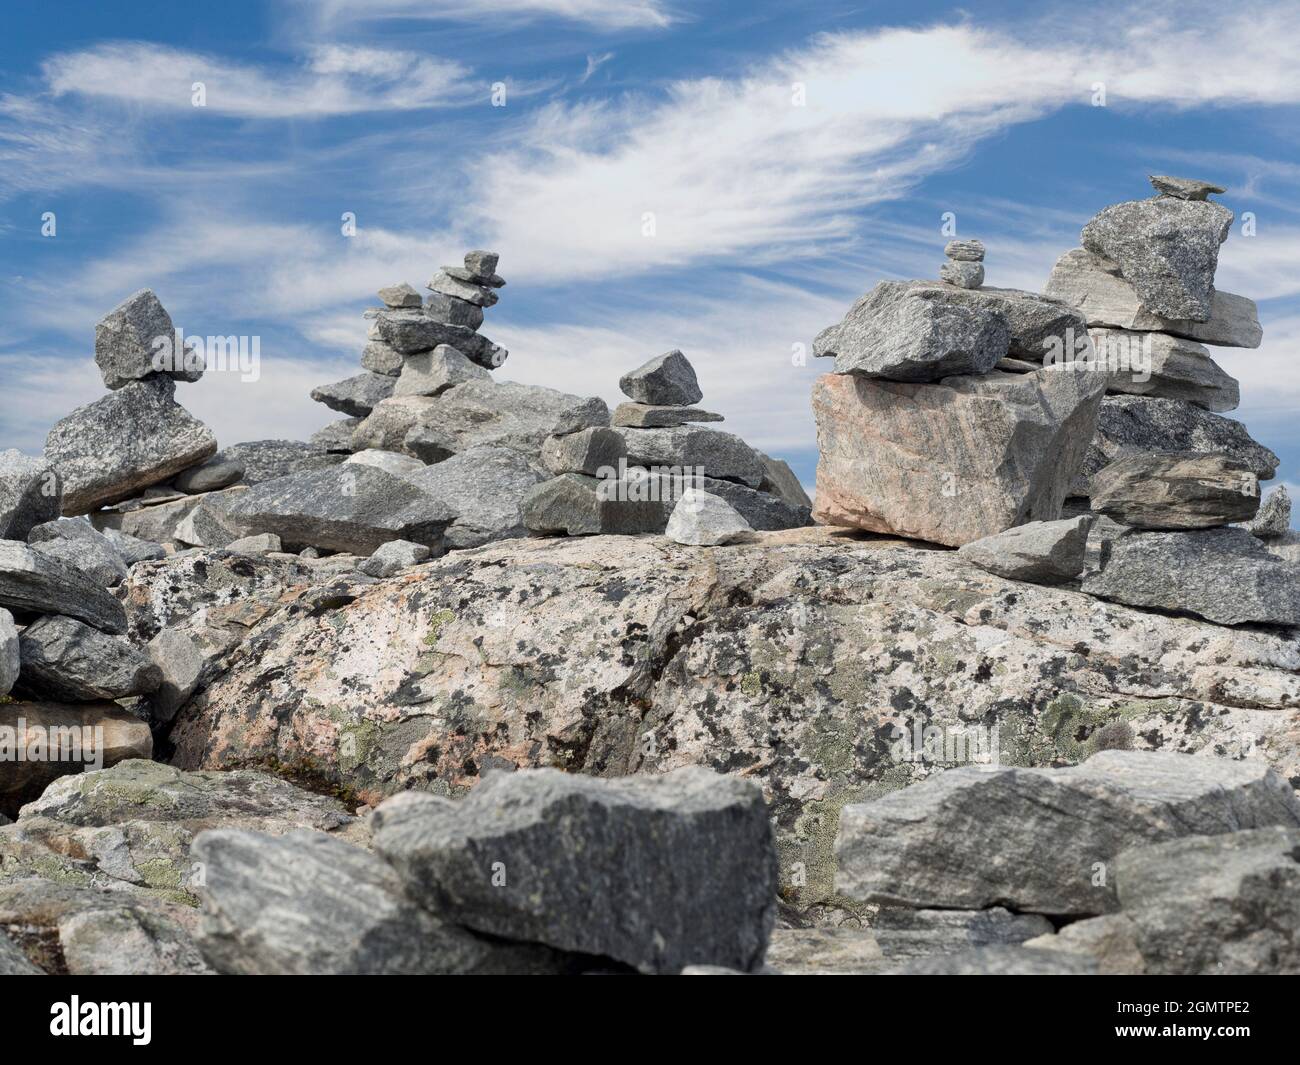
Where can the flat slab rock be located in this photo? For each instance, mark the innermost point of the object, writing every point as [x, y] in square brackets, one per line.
[1036, 840]
[356, 396]
[133, 438]
[265, 460]
[1043, 552]
[758, 657]
[1169, 367]
[578, 856]
[34, 583]
[1175, 490]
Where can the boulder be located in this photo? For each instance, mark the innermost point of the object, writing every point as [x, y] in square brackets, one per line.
[451, 311]
[575, 504]
[31, 493]
[407, 333]
[667, 380]
[1223, 575]
[64, 660]
[137, 339]
[1167, 248]
[135, 437]
[9, 658]
[393, 462]
[1038, 325]
[586, 451]
[1274, 517]
[209, 523]
[1044, 840]
[220, 471]
[701, 519]
[707, 452]
[915, 331]
[964, 251]
[356, 396]
[1094, 285]
[336, 437]
[179, 663]
[780, 480]
[1041, 552]
[265, 460]
[1156, 364]
[431, 373]
[76, 543]
[954, 461]
[131, 548]
[652, 416]
[570, 861]
[381, 358]
[352, 508]
[446, 283]
[1175, 490]
[760, 508]
[393, 557]
[484, 488]
[402, 295]
[33, 583]
[962, 274]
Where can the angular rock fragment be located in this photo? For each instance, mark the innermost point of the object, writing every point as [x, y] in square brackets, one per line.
[137, 339]
[964, 251]
[393, 557]
[1041, 552]
[1169, 367]
[575, 504]
[67, 661]
[712, 452]
[398, 296]
[31, 493]
[586, 451]
[220, 471]
[131, 548]
[666, 380]
[452, 311]
[430, 373]
[484, 488]
[1175, 490]
[962, 274]
[265, 460]
[393, 462]
[780, 480]
[651, 416]
[76, 543]
[378, 357]
[1183, 188]
[1274, 517]
[444, 283]
[32, 583]
[356, 396]
[760, 509]
[701, 519]
[255, 545]
[336, 437]
[179, 663]
[9, 659]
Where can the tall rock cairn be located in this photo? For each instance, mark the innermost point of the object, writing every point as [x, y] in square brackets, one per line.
[418, 348]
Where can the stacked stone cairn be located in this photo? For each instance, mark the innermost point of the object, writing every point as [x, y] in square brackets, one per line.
[656, 469]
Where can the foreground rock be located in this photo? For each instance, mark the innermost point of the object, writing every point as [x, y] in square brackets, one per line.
[1174, 490]
[356, 396]
[701, 519]
[574, 859]
[76, 544]
[34, 583]
[1041, 840]
[1224, 575]
[135, 437]
[1042, 552]
[952, 462]
[31, 493]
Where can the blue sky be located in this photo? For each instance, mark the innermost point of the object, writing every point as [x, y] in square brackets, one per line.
[769, 218]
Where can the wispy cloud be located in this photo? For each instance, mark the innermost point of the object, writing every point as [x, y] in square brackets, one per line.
[598, 14]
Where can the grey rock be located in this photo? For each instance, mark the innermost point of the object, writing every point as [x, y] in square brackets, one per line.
[574, 504]
[965, 251]
[761, 509]
[1040, 552]
[9, 658]
[1183, 188]
[915, 331]
[1223, 575]
[255, 545]
[398, 296]
[430, 373]
[482, 263]
[711, 452]
[1109, 940]
[1165, 247]
[356, 396]
[962, 274]
[484, 488]
[265, 460]
[12, 960]
[701, 519]
[576, 855]
[77, 543]
[1156, 364]
[218, 472]
[780, 480]
[336, 438]
[31, 492]
[1093, 284]
[1274, 517]
[209, 523]
[460, 273]
[65, 660]
[32, 583]
[586, 451]
[156, 522]
[1031, 839]
[131, 548]
[378, 357]
[666, 380]
[352, 508]
[408, 333]
[1143, 424]
[445, 283]
[179, 662]
[308, 904]
[1000, 961]
[650, 416]
[135, 437]
[1175, 490]
[393, 557]
[1038, 325]
[453, 311]
[125, 344]
[389, 461]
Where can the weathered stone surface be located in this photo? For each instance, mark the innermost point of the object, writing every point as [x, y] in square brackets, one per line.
[760, 509]
[381, 358]
[651, 416]
[954, 461]
[407, 333]
[76, 543]
[70, 737]
[179, 663]
[915, 331]
[1038, 325]
[803, 660]
[962, 274]
[999, 961]
[402, 295]
[446, 284]
[452, 311]
[484, 488]
[1175, 490]
[578, 855]
[1183, 188]
[1167, 248]
[393, 557]
[1041, 552]
[13, 962]
[964, 251]
[32, 583]
[666, 380]
[711, 452]
[125, 341]
[265, 460]
[430, 373]
[8, 652]
[575, 504]
[393, 462]
[336, 437]
[347, 508]
[218, 472]
[255, 545]
[356, 396]
[31, 492]
[701, 519]
[780, 480]
[1274, 517]
[1224, 575]
[1109, 940]
[1142, 424]
[209, 523]
[1030, 839]
[1156, 364]
[586, 451]
[131, 548]
[482, 263]
[135, 437]
[1093, 284]
[307, 904]
[64, 660]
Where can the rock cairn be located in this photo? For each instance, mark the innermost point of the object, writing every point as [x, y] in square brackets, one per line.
[965, 265]
[629, 476]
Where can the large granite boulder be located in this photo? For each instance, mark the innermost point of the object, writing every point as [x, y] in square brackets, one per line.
[953, 461]
[1175, 490]
[136, 437]
[708, 452]
[484, 488]
[31, 493]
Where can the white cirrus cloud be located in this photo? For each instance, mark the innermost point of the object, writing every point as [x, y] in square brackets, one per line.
[596, 14]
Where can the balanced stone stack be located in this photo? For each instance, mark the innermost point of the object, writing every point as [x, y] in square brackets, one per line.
[629, 476]
[1144, 281]
[417, 348]
[965, 265]
[930, 427]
